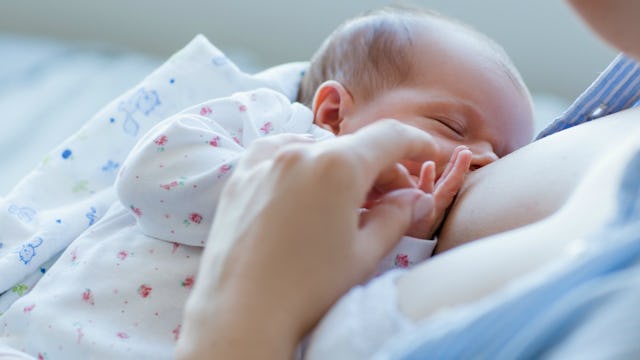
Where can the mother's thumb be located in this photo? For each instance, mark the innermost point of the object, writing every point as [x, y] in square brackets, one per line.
[390, 218]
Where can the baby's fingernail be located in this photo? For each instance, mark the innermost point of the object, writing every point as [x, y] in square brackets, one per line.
[422, 207]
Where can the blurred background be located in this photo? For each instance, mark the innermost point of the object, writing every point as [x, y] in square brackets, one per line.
[60, 61]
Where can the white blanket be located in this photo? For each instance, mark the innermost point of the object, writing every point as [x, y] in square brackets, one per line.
[72, 188]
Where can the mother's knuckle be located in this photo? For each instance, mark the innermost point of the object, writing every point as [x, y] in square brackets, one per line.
[331, 160]
[289, 156]
[392, 125]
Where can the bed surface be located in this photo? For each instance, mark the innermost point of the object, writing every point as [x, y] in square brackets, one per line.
[49, 88]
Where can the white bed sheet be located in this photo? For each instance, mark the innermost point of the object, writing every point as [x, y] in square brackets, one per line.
[48, 89]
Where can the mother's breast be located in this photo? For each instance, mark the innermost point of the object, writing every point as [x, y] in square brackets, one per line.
[532, 182]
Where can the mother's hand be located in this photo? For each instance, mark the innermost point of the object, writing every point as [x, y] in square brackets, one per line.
[289, 237]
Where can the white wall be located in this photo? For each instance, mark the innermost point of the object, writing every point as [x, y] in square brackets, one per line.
[553, 49]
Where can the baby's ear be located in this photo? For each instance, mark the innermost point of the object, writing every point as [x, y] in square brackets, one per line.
[330, 104]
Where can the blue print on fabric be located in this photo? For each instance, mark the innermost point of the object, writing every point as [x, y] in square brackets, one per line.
[130, 126]
[91, 215]
[66, 153]
[220, 60]
[28, 251]
[110, 166]
[142, 101]
[23, 213]
[147, 101]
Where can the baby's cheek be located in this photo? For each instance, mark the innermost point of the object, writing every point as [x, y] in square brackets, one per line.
[413, 167]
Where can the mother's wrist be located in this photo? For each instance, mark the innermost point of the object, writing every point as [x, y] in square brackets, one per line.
[235, 327]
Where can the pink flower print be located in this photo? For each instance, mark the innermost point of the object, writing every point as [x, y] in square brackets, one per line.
[161, 140]
[29, 308]
[266, 128]
[74, 255]
[205, 110]
[242, 108]
[169, 185]
[236, 140]
[80, 335]
[214, 141]
[187, 283]
[87, 296]
[175, 247]
[402, 261]
[122, 254]
[195, 217]
[122, 335]
[176, 332]
[144, 290]
[136, 210]
[40, 356]
[223, 170]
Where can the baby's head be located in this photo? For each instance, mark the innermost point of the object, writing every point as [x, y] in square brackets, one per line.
[424, 70]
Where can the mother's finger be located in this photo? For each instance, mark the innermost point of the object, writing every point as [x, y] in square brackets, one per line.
[380, 145]
[383, 224]
[264, 148]
[395, 177]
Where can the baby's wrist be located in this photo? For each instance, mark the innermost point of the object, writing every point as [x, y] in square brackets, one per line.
[419, 234]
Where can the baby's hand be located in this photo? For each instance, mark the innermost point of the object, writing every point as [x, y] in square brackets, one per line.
[444, 190]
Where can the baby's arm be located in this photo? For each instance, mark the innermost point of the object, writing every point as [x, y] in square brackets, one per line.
[172, 178]
[444, 190]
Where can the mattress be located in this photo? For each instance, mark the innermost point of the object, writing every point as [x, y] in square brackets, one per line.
[49, 88]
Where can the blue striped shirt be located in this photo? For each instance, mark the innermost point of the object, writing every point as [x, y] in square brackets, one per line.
[617, 88]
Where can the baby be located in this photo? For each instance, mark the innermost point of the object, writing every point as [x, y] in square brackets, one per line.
[413, 66]
[118, 292]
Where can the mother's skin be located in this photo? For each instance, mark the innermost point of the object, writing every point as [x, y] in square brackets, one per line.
[532, 182]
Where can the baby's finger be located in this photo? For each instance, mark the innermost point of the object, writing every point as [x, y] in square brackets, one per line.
[447, 187]
[389, 219]
[452, 160]
[427, 176]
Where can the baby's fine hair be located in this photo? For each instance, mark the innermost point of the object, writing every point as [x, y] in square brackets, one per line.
[371, 53]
